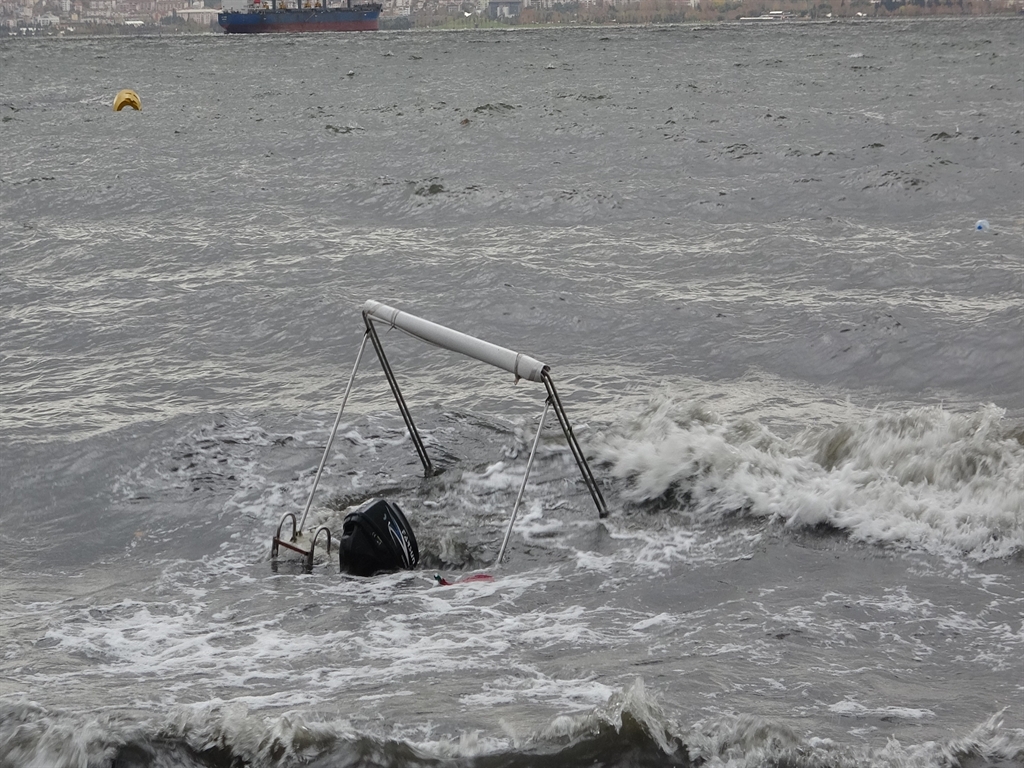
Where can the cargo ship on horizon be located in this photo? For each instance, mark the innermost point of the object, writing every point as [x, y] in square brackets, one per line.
[301, 16]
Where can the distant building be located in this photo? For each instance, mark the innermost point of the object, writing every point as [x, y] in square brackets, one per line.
[100, 9]
[504, 9]
[198, 15]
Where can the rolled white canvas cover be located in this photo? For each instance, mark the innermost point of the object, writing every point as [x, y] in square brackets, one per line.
[516, 363]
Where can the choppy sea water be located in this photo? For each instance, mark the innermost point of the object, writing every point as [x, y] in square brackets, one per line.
[749, 255]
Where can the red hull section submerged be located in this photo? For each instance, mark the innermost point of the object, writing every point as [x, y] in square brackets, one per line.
[357, 18]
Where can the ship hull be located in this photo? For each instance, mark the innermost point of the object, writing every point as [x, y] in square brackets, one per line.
[307, 20]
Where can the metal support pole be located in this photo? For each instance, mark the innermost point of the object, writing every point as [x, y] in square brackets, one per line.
[334, 431]
[428, 468]
[522, 488]
[577, 452]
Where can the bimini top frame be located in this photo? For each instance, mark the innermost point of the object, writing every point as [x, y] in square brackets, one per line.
[519, 365]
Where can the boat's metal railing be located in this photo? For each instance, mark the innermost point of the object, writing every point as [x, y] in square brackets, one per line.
[292, 542]
[520, 365]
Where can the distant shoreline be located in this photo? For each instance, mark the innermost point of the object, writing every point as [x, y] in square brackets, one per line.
[403, 24]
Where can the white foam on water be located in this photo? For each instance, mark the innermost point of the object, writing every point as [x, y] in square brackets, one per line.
[561, 693]
[495, 477]
[593, 561]
[651, 554]
[277, 659]
[746, 741]
[851, 708]
[925, 477]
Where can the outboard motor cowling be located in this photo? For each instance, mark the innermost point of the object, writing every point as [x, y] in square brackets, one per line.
[377, 537]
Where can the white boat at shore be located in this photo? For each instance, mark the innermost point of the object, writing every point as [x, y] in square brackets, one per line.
[770, 16]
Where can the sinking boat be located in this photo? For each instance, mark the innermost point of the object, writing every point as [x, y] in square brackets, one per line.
[519, 365]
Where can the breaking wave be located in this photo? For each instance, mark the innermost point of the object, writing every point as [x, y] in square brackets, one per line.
[632, 729]
[925, 477]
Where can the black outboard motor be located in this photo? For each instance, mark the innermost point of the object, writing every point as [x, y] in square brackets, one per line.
[377, 537]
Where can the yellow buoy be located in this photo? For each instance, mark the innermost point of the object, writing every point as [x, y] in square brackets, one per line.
[127, 98]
